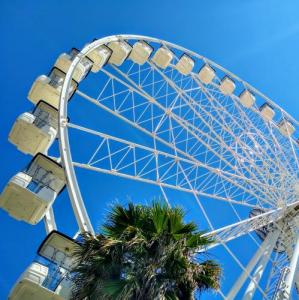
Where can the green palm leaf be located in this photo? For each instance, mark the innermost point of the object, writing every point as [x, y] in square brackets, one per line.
[143, 253]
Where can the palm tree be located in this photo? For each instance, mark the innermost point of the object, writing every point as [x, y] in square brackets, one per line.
[144, 252]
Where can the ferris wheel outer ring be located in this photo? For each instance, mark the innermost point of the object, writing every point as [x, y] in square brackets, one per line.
[77, 202]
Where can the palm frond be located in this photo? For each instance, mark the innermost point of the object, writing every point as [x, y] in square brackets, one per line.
[143, 252]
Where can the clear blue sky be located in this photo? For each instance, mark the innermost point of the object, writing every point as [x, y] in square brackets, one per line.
[256, 39]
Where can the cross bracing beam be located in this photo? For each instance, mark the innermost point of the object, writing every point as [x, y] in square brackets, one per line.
[204, 133]
[119, 156]
[271, 175]
[267, 244]
[216, 120]
[249, 118]
[241, 228]
[260, 139]
[139, 162]
[234, 118]
[154, 134]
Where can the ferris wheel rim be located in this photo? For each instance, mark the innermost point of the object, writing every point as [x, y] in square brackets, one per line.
[65, 152]
[63, 130]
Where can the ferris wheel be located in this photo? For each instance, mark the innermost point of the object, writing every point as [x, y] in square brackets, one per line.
[183, 124]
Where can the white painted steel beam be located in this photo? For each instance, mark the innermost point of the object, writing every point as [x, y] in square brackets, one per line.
[252, 263]
[258, 272]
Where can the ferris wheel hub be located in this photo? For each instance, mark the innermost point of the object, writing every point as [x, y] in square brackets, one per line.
[287, 226]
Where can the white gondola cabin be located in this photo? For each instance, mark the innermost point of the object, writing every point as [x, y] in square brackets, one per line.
[64, 61]
[247, 98]
[185, 64]
[48, 88]
[120, 51]
[267, 112]
[206, 74]
[140, 53]
[30, 193]
[58, 248]
[227, 86]
[35, 132]
[29, 286]
[163, 57]
[286, 128]
[99, 57]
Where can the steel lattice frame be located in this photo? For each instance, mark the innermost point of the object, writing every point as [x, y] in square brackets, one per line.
[202, 142]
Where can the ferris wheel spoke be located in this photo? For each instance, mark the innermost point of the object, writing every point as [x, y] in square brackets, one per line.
[200, 111]
[267, 161]
[165, 185]
[181, 123]
[168, 111]
[180, 106]
[243, 182]
[123, 158]
[224, 184]
[243, 227]
[210, 127]
[243, 115]
[280, 144]
[180, 92]
[274, 175]
[248, 123]
[285, 181]
[275, 142]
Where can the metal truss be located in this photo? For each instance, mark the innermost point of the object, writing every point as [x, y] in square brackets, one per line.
[244, 227]
[199, 141]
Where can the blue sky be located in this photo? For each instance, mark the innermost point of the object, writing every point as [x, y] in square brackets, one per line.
[257, 40]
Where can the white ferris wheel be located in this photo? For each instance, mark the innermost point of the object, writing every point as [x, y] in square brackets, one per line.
[191, 127]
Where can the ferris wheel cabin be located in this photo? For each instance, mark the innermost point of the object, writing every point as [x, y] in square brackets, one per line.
[286, 128]
[64, 61]
[29, 194]
[267, 112]
[99, 57]
[140, 53]
[206, 74]
[35, 132]
[227, 86]
[33, 283]
[162, 57]
[247, 98]
[120, 51]
[58, 248]
[48, 88]
[29, 286]
[185, 64]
